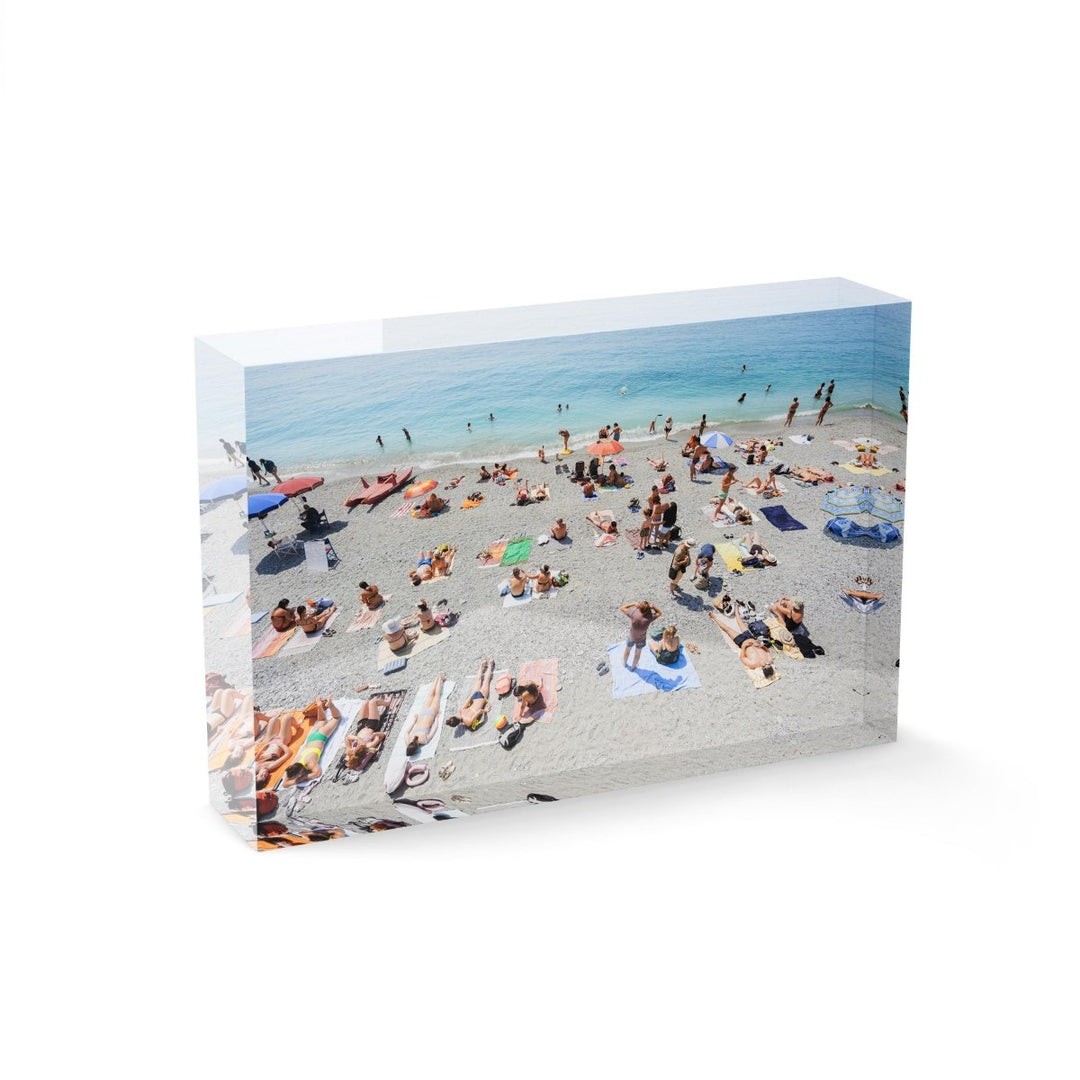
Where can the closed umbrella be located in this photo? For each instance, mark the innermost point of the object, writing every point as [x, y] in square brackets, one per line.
[261, 504]
[297, 485]
[225, 488]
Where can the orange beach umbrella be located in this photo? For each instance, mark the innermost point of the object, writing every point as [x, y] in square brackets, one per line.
[605, 448]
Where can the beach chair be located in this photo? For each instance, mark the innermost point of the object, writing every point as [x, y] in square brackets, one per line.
[594, 468]
[332, 556]
[315, 559]
[288, 547]
[579, 472]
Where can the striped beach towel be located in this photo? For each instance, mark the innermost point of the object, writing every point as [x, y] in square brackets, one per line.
[403, 509]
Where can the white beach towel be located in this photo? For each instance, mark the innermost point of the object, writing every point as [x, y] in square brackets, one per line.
[397, 756]
[348, 709]
[650, 676]
[315, 561]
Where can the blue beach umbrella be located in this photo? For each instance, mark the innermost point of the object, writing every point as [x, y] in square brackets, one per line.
[885, 506]
[263, 504]
[847, 500]
[225, 488]
[715, 439]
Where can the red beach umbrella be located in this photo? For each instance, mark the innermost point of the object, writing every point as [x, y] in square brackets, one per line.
[421, 487]
[297, 485]
[605, 448]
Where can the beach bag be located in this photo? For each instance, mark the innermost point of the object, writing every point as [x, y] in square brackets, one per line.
[701, 582]
[561, 579]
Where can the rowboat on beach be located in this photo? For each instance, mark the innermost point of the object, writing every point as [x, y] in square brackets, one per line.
[365, 494]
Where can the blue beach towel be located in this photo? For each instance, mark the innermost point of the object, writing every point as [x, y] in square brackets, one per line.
[650, 675]
[779, 517]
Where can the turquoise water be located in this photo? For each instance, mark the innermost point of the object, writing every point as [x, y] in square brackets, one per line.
[326, 413]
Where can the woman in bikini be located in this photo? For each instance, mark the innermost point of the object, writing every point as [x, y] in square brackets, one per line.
[370, 596]
[421, 727]
[282, 618]
[768, 485]
[473, 712]
[659, 464]
[603, 521]
[423, 613]
[666, 650]
[307, 765]
[311, 622]
[544, 580]
[757, 554]
[368, 739]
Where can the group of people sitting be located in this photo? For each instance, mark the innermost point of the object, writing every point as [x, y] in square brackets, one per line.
[527, 495]
[544, 579]
[499, 473]
[309, 619]
[756, 638]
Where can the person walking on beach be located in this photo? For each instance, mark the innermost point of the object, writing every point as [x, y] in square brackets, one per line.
[903, 398]
[230, 453]
[819, 389]
[667, 428]
[241, 448]
[792, 410]
[270, 468]
[641, 615]
[408, 437]
[540, 454]
[378, 439]
[824, 409]
[256, 473]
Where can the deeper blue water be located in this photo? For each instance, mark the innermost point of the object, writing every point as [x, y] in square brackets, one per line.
[328, 412]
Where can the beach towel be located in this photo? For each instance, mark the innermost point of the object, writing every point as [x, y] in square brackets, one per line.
[218, 599]
[424, 640]
[315, 561]
[545, 673]
[650, 676]
[218, 750]
[724, 521]
[756, 675]
[879, 471]
[732, 557]
[243, 622]
[334, 745]
[270, 642]
[864, 607]
[365, 618]
[302, 643]
[781, 519]
[403, 509]
[470, 504]
[781, 635]
[801, 438]
[518, 601]
[397, 757]
[494, 553]
[517, 551]
[337, 771]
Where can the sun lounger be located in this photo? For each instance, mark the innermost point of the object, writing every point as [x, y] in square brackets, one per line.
[315, 561]
[650, 676]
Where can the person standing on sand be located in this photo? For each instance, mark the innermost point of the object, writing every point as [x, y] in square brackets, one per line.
[667, 428]
[378, 439]
[230, 453]
[824, 409]
[540, 454]
[819, 389]
[903, 398]
[792, 410]
[641, 615]
[270, 468]
[727, 483]
[680, 562]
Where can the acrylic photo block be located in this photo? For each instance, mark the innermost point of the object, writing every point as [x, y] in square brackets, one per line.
[469, 561]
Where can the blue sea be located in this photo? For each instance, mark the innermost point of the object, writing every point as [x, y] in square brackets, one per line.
[326, 414]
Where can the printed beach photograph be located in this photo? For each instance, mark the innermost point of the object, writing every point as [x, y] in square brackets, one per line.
[441, 581]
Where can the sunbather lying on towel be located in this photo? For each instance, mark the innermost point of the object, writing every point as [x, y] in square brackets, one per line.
[367, 739]
[754, 654]
[733, 510]
[809, 475]
[756, 554]
[659, 464]
[422, 726]
[473, 712]
[867, 460]
[311, 622]
[224, 705]
[307, 765]
[603, 521]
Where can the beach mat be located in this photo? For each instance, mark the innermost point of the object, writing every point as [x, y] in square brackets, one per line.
[397, 756]
[365, 618]
[732, 557]
[403, 509]
[518, 601]
[879, 471]
[424, 640]
[545, 673]
[302, 643]
[517, 551]
[781, 519]
[724, 522]
[472, 504]
[650, 676]
[334, 746]
[338, 770]
[494, 554]
[270, 642]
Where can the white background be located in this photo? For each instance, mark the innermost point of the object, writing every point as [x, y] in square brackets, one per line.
[174, 169]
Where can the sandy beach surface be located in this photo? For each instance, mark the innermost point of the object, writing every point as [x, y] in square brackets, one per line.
[844, 699]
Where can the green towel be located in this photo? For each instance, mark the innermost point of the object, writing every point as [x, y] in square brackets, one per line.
[517, 551]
